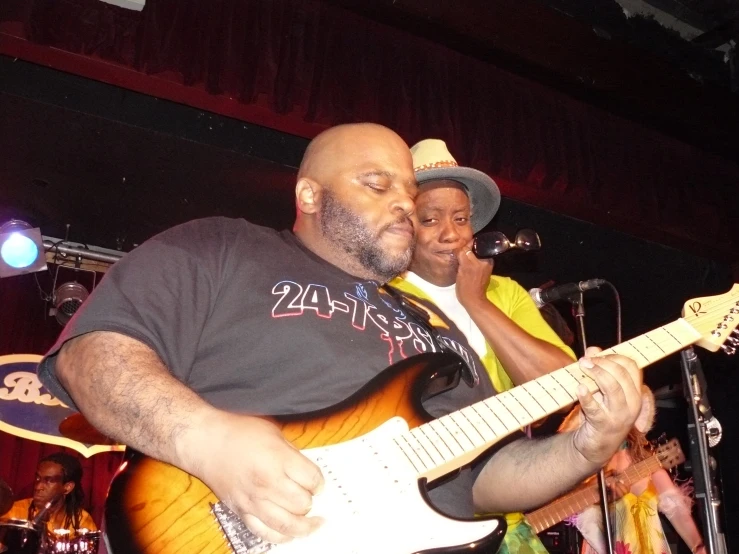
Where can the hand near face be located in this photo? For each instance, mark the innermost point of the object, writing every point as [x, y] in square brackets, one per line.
[609, 415]
[263, 478]
[473, 276]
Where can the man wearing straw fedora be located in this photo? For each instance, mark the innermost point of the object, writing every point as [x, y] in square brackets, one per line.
[497, 316]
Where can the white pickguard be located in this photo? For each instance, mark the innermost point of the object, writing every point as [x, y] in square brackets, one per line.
[371, 503]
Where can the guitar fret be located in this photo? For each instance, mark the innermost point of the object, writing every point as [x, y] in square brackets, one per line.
[543, 396]
[451, 443]
[567, 382]
[458, 440]
[506, 417]
[467, 430]
[532, 406]
[409, 452]
[429, 446]
[424, 460]
[630, 349]
[577, 374]
[490, 418]
[517, 410]
[479, 423]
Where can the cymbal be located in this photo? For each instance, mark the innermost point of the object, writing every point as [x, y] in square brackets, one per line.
[6, 497]
[77, 428]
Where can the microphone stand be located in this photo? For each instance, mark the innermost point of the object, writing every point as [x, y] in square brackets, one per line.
[578, 310]
[702, 432]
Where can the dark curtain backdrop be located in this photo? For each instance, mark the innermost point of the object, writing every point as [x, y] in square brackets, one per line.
[301, 65]
[25, 328]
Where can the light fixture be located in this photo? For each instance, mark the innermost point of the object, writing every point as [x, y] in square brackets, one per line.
[67, 300]
[21, 249]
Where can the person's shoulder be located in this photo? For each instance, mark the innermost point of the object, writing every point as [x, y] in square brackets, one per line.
[24, 502]
[19, 509]
[214, 226]
[504, 285]
[87, 522]
[214, 234]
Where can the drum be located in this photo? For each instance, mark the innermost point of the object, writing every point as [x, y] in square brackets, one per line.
[19, 536]
[86, 541]
[58, 542]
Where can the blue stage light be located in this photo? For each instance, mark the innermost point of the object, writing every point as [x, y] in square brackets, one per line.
[21, 249]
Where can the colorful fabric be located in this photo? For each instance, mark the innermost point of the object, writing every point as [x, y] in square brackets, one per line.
[520, 538]
[636, 524]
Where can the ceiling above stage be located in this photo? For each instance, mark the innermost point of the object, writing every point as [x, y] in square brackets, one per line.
[666, 70]
[665, 63]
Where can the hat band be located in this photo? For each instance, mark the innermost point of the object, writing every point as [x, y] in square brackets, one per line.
[434, 165]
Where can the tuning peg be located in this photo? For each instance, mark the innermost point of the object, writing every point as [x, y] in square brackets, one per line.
[730, 350]
[733, 341]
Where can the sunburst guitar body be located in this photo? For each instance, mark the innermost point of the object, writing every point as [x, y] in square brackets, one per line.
[377, 450]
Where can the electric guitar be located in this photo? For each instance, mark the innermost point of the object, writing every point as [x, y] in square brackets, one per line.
[377, 450]
[667, 456]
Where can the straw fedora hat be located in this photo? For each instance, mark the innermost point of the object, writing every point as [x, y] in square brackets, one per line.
[433, 162]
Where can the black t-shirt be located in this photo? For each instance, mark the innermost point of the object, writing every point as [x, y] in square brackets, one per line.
[253, 321]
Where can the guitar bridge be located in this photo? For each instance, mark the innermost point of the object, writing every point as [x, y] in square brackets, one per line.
[241, 539]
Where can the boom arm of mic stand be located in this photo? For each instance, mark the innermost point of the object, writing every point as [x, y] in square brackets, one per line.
[698, 432]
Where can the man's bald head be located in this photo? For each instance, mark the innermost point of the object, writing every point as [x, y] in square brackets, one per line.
[337, 148]
[354, 196]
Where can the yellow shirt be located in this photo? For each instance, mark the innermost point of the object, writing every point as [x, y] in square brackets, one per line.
[511, 299]
[20, 511]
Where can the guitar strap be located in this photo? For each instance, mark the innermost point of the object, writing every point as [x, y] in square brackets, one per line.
[421, 318]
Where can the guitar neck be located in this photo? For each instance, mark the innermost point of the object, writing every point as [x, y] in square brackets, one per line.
[577, 501]
[450, 442]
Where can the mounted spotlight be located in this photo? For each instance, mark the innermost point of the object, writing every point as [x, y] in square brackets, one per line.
[21, 249]
[67, 300]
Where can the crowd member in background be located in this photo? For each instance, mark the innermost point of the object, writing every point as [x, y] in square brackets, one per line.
[635, 512]
[59, 482]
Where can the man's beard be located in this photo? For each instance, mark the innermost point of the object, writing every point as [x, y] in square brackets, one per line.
[351, 233]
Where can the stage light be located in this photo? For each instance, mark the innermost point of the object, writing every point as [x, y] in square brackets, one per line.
[21, 249]
[67, 300]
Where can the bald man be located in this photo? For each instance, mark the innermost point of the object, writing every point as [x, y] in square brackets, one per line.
[211, 323]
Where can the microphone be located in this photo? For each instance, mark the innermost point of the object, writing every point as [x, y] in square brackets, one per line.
[42, 513]
[544, 296]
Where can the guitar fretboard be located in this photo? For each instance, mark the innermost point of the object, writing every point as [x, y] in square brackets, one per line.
[445, 444]
[575, 502]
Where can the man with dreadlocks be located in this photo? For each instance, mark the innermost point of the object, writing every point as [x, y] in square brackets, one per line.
[59, 481]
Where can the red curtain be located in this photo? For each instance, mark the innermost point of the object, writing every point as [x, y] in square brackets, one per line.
[26, 328]
[308, 64]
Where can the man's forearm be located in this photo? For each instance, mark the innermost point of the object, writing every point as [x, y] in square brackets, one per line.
[124, 390]
[527, 473]
[524, 356]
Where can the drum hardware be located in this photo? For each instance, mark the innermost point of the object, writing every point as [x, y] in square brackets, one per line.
[19, 536]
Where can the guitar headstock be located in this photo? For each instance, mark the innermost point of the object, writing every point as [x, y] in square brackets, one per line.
[670, 454]
[716, 319]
